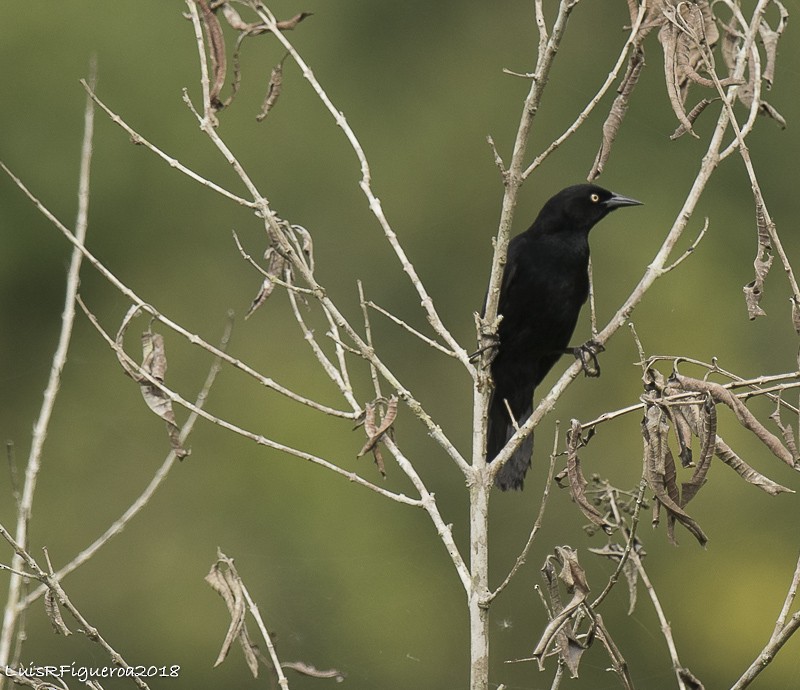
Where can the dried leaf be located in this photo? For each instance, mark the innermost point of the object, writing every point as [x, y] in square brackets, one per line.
[618, 110]
[732, 44]
[225, 581]
[54, 614]
[708, 442]
[683, 434]
[216, 51]
[577, 482]
[769, 38]
[289, 24]
[660, 471]
[729, 457]
[754, 290]
[273, 91]
[308, 670]
[375, 431]
[692, 116]
[276, 268]
[573, 577]
[786, 432]
[303, 243]
[154, 362]
[747, 419]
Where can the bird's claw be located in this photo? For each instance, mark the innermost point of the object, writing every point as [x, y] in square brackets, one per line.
[491, 346]
[587, 355]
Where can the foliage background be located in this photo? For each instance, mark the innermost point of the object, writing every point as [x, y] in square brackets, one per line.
[344, 578]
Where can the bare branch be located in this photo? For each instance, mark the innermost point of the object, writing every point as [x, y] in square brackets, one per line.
[25, 504]
[537, 525]
[157, 480]
[366, 186]
[257, 438]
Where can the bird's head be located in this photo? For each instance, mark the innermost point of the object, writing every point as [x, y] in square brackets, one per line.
[584, 205]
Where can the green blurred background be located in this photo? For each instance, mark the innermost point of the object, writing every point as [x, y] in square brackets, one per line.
[344, 578]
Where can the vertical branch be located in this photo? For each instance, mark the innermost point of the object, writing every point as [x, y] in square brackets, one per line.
[513, 177]
[25, 507]
[479, 595]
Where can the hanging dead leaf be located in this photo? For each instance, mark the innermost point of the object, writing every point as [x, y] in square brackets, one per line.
[573, 577]
[577, 482]
[376, 430]
[618, 110]
[729, 457]
[753, 291]
[225, 581]
[273, 91]
[747, 419]
[708, 442]
[216, 51]
[154, 363]
[660, 473]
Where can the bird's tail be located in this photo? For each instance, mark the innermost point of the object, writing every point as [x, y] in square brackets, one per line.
[512, 474]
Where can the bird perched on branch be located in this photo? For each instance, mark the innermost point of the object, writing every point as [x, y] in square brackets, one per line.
[545, 283]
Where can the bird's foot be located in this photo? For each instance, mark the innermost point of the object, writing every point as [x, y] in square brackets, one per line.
[587, 354]
[490, 342]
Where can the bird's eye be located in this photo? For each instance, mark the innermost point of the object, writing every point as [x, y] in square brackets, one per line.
[595, 198]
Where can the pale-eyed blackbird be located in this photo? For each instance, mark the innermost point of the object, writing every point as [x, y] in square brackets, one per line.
[545, 283]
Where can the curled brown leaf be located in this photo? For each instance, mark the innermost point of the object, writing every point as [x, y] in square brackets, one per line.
[225, 581]
[376, 430]
[577, 482]
[747, 419]
[660, 472]
[154, 363]
[573, 577]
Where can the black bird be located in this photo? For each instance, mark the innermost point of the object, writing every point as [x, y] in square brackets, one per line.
[545, 284]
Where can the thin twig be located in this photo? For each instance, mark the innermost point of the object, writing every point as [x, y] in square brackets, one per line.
[25, 506]
[584, 114]
[157, 480]
[424, 338]
[334, 374]
[666, 630]
[137, 138]
[537, 525]
[366, 186]
[60, 596]
[257, 438]
[273, 655]
[373, 372]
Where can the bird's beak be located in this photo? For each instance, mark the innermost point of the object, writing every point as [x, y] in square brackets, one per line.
[618, 200]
